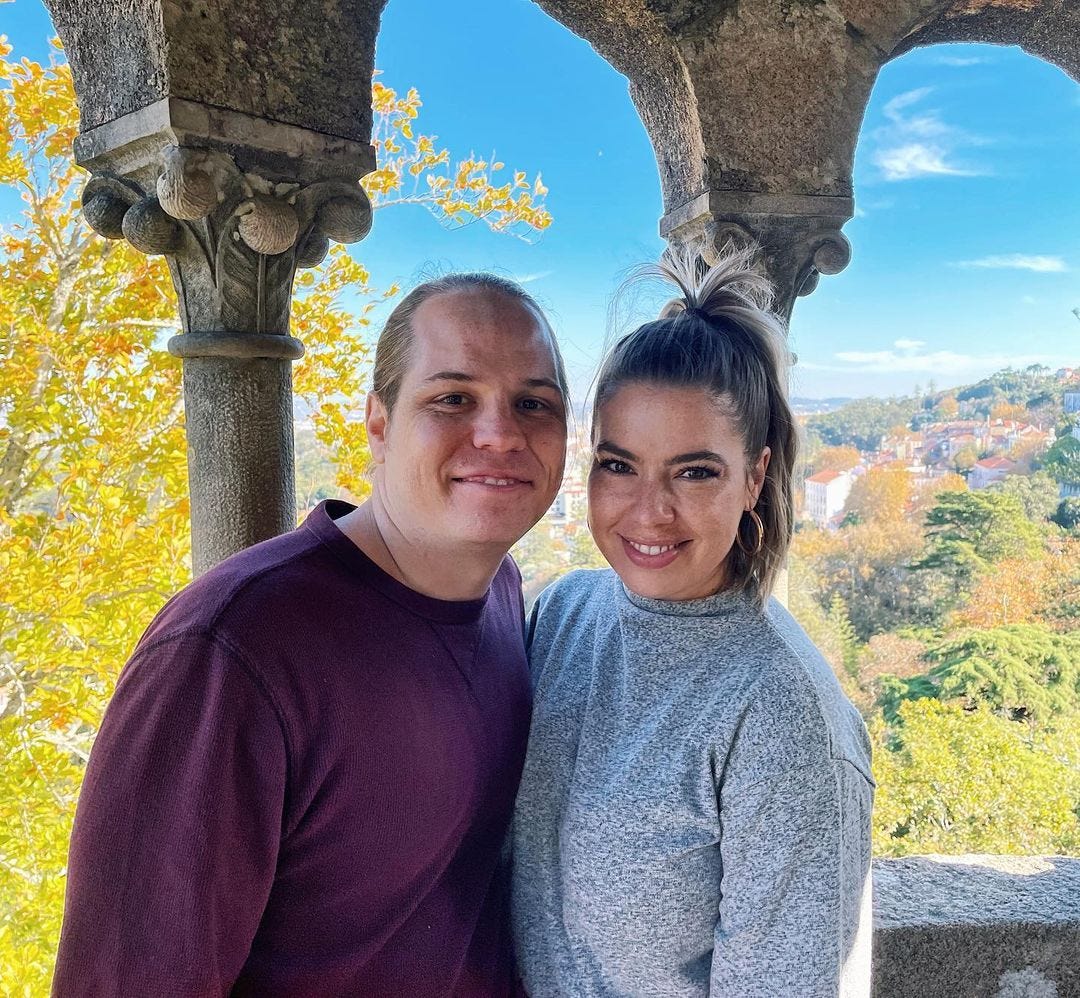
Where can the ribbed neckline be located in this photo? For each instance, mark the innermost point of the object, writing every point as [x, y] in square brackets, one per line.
[722, 604]
[320, 521]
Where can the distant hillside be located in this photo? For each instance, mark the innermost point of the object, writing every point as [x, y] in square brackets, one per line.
[1033, 395]
[808, 407]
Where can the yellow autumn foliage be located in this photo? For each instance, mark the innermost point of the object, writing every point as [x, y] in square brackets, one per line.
[94, 533]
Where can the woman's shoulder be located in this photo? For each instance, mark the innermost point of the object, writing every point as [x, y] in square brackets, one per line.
[800, 692]
[568, 610]
[577, 589]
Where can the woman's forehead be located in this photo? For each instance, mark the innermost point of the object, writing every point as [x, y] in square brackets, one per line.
[666, 418]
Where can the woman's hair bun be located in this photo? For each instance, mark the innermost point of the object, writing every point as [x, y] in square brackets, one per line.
[726, 289]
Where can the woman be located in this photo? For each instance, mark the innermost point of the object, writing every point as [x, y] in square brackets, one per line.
[694, 815]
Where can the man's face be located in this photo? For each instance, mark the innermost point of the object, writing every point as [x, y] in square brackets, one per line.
[473, 452]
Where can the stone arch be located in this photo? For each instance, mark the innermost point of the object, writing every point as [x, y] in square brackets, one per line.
[754, 107]
[1046, 30]
[304, 65]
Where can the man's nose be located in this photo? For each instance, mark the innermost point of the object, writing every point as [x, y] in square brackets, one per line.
[498, 428]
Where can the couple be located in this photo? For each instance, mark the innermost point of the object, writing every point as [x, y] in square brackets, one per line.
[306, 780]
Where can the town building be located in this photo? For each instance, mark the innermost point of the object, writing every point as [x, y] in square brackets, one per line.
[990, 470]
[825, 493]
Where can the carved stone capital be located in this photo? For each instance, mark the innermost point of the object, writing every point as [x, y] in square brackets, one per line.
[799, 235]
[235, 214]
[235, 204]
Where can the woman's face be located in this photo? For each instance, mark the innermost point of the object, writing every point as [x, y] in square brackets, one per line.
[668, 486]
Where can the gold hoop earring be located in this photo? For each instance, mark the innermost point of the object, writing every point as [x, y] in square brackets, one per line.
[760, 534]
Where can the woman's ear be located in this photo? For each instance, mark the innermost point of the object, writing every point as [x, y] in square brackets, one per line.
[757, 477]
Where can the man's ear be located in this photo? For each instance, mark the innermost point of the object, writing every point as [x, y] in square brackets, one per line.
[377, 422]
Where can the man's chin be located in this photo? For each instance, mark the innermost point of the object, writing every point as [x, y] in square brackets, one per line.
[493, 532]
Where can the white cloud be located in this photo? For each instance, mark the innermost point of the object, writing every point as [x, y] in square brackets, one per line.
[1017, 261]
[937, 362]
[917, 160]
[897, 104]
[918, 143]
[957, 60]
[909, 344]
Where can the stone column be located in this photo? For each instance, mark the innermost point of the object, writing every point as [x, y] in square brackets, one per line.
[236, 203]
[798, 234]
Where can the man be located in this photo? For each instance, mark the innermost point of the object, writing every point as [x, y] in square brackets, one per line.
[304, 780]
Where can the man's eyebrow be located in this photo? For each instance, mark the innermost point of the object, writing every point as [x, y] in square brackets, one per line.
[449, 376]
[462, 376]
[543, 383]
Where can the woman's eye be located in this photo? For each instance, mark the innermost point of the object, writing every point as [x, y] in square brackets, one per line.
[697, 474]
[615, 466]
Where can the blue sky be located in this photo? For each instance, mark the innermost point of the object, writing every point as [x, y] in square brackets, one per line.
[967, 181]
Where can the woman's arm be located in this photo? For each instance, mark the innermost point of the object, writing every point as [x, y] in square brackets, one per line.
[795, 890]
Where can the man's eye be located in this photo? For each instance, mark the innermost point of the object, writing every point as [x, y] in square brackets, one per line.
[615, 466]
[697, 474]
[452, 399]
[534, 405]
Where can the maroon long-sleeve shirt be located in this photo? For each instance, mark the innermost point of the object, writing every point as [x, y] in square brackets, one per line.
[302, 787]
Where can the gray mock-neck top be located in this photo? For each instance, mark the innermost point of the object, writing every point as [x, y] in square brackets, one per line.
[694, 814]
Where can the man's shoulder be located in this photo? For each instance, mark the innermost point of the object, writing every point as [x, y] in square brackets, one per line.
[254, 585]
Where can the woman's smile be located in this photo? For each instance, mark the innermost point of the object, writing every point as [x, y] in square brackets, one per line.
[656, 554]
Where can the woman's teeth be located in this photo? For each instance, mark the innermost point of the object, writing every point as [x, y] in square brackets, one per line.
[652, 548]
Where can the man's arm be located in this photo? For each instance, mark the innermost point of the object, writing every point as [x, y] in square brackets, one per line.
[177, 830]
[795, 905]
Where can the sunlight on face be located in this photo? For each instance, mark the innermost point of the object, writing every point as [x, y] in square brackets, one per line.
[668, 486]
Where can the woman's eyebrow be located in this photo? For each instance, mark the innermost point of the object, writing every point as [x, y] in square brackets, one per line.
[698, 455]
[617, 451]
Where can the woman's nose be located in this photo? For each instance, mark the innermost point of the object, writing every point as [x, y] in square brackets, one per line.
[656, 504]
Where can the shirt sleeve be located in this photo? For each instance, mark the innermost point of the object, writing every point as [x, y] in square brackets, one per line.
[177, 829]
[795, 912]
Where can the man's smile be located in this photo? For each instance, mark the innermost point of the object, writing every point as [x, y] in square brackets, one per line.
[498, 481]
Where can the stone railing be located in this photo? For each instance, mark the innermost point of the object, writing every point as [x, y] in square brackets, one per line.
[977, 927]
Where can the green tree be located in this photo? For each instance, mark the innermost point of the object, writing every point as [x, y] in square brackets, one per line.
[863, 422]
[849, 641]
[1062, 460]
[966, 532]
[1038, 494]
[1020, 672]
[1067, 514]
[956, 781]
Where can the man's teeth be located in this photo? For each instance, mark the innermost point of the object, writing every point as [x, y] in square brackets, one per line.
[652, 548]
[495, 481]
